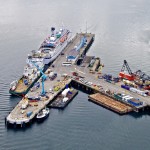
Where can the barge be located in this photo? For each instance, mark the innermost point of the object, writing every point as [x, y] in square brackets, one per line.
[110, 103]
[61, 101]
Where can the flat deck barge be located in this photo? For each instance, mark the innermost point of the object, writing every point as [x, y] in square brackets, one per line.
[60, 102]
[110, 103]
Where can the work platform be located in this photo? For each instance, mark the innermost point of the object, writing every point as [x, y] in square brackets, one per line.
[78, 74]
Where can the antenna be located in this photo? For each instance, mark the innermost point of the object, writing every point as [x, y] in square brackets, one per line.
[86, 27]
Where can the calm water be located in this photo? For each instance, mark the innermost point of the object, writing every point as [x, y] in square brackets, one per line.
[122, 31]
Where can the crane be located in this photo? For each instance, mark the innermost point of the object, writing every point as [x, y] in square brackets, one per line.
[43, 78]
[142, 75]
[125, 65]
[130, 76]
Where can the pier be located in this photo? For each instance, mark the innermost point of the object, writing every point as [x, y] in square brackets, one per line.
[73, 68]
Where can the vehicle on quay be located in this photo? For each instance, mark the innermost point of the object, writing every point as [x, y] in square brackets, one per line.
[66, 63]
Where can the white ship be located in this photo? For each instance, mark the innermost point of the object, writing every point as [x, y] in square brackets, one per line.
[51, 47]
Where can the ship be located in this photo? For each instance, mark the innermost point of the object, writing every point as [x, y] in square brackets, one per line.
[51, 47]
[48, 51]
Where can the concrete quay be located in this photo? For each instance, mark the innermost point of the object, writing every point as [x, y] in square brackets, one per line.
[85, 78]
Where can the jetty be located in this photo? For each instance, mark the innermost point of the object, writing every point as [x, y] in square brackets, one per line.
[80, 71]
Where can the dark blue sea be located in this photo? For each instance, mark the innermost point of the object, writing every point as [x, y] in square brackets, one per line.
[122, 31]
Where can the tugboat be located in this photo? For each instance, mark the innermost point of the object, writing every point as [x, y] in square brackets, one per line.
[43, 114]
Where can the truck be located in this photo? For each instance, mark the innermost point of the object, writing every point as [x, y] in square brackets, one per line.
[119, 96]
[74, 73]
[52, 75]
[24, 105]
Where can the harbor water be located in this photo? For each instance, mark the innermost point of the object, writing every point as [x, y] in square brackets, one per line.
[122, 31]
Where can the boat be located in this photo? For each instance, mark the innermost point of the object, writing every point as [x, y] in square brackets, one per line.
[29, 78]
[43, 114]
[51, 47]
[48, 51]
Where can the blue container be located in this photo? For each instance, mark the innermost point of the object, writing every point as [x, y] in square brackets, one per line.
[29, 113]
[125, 87]
[135, 103]
[25, 81]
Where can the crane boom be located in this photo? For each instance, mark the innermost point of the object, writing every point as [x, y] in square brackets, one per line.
[43, 78]
[142, 75]
[38, 67]
[125, 65]
[130, 76]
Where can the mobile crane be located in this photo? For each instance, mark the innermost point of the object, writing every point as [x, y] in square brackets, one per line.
[43, 92]
[129, 76]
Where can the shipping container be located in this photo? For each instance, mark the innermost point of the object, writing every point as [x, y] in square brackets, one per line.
[118, 96]
[127, 97]
[125, 87]
[135, 102]
[133, 90]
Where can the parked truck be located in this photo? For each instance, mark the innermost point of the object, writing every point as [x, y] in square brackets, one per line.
[52, 75]
[74, 73]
